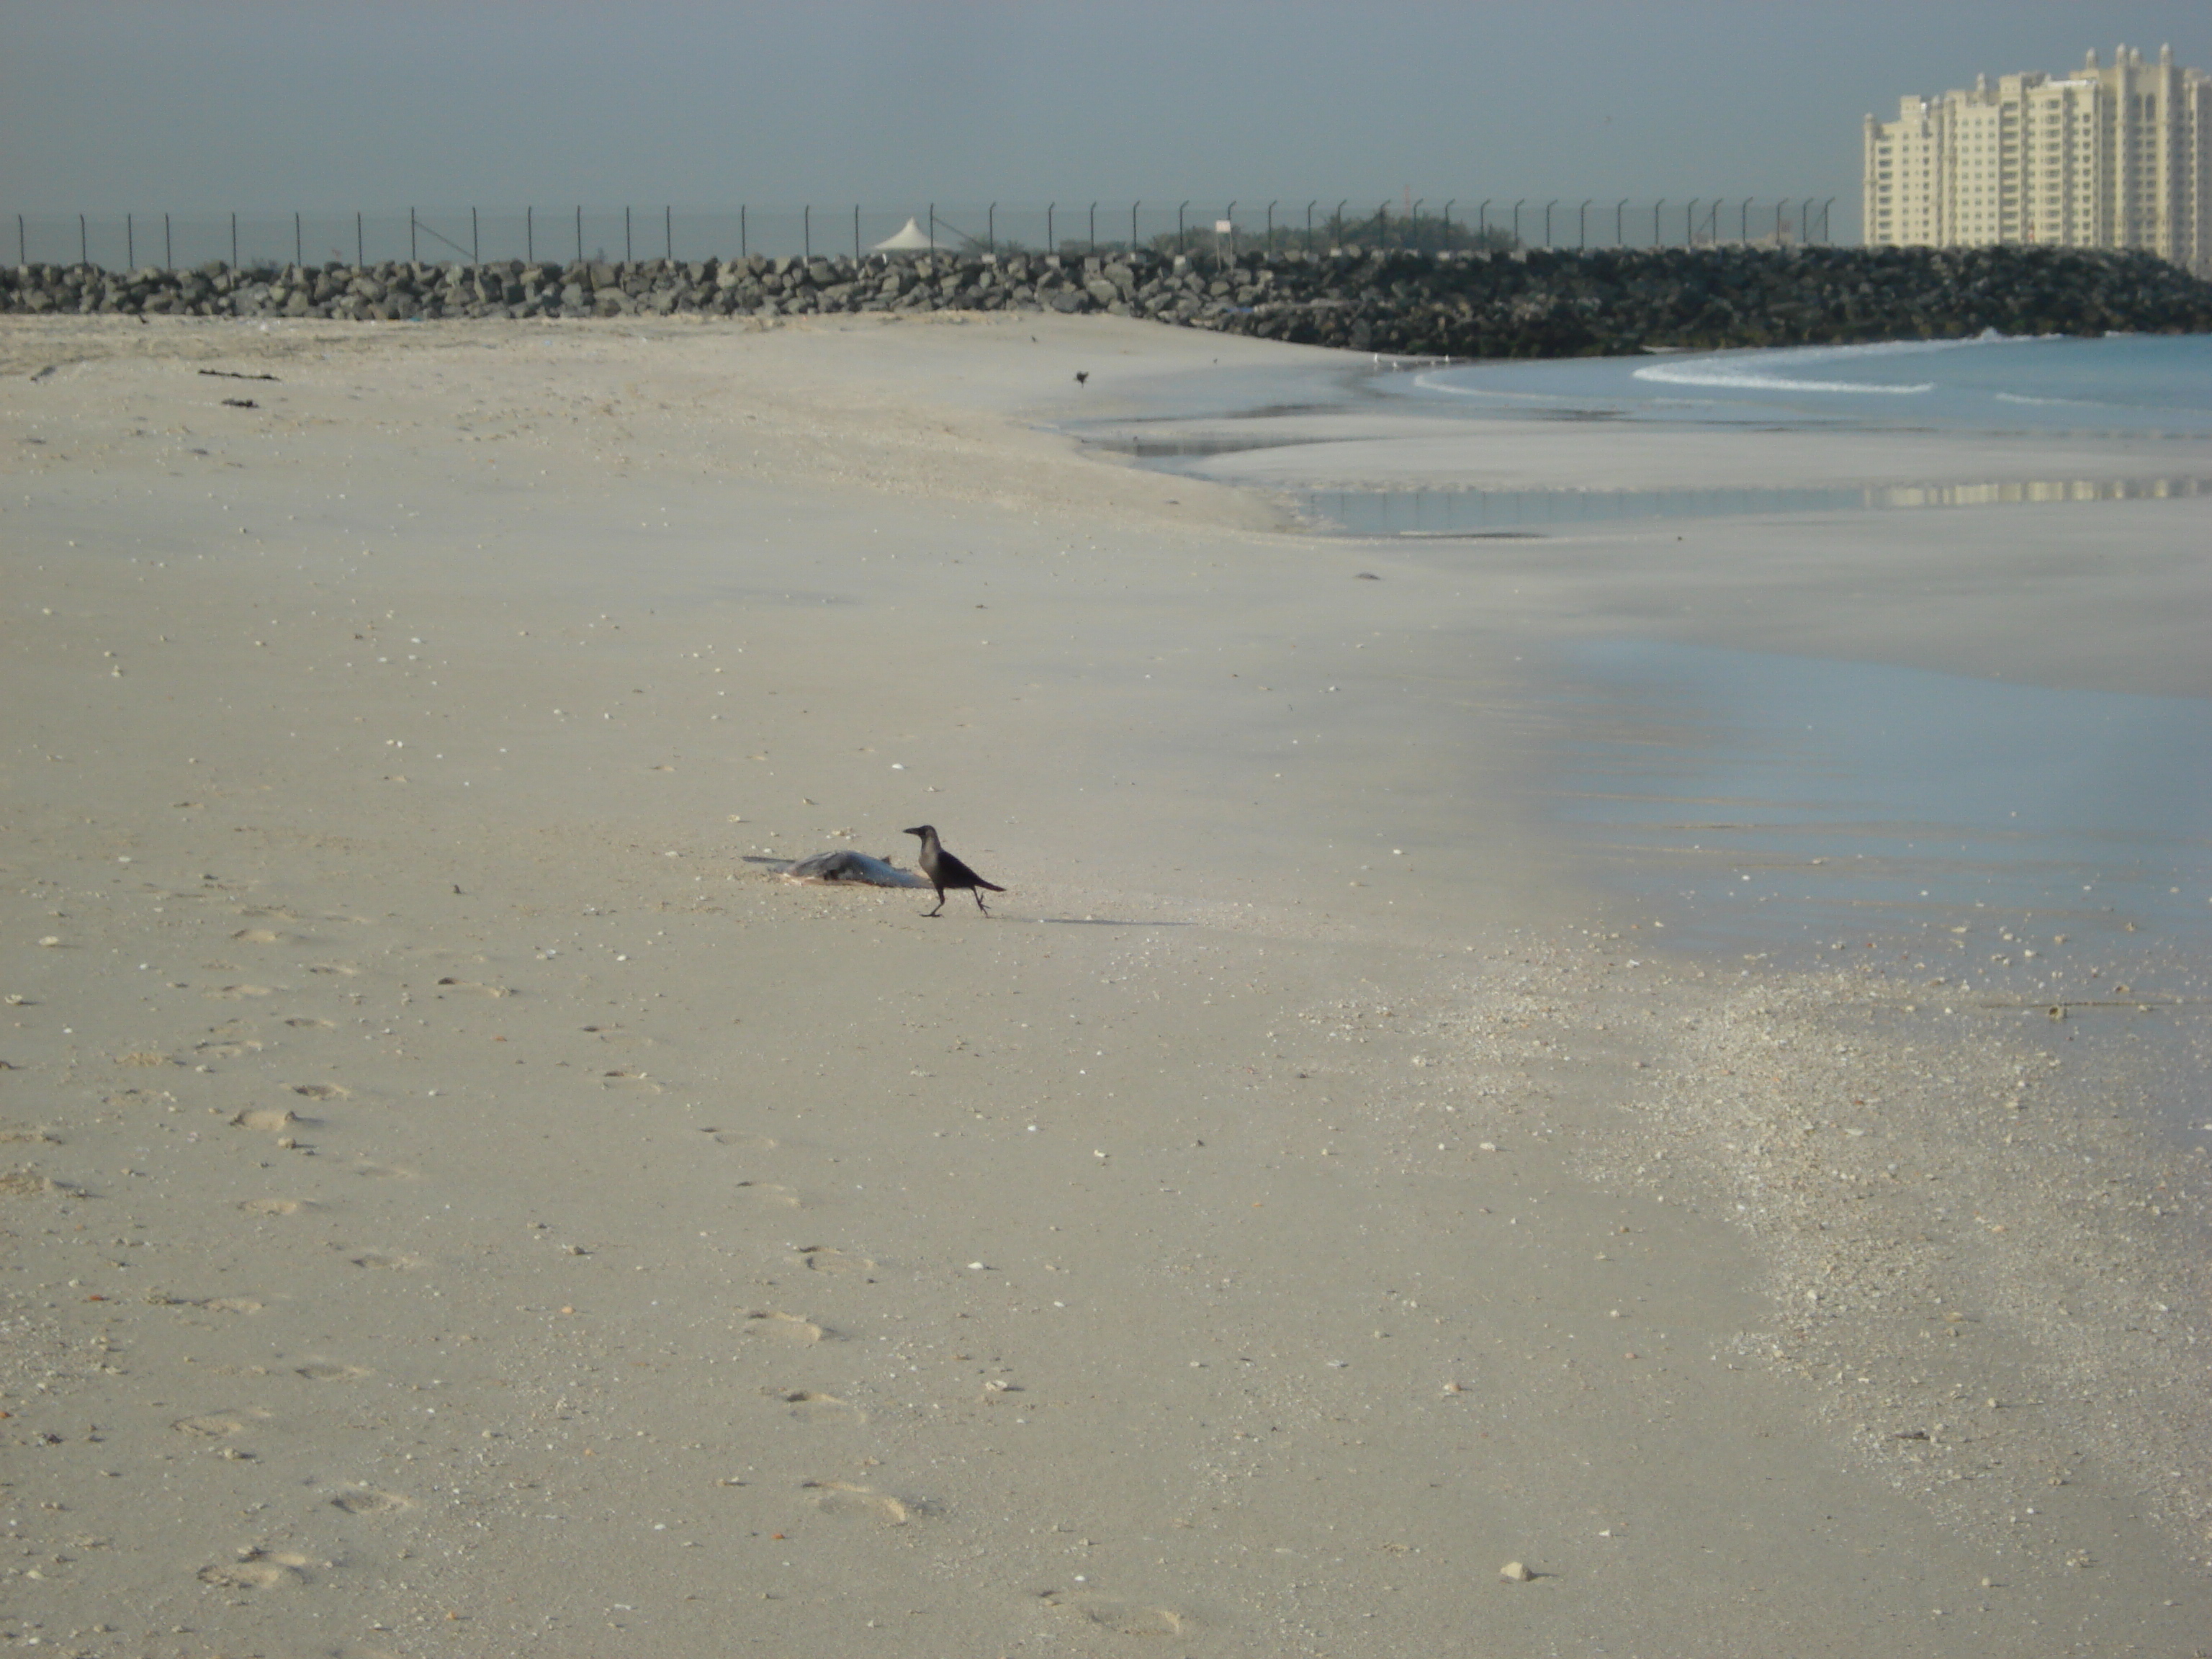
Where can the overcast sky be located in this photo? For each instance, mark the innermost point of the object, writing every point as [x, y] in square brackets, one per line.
[197, 105]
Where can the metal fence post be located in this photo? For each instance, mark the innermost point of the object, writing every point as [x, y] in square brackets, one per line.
[1181, 244]
[1133, 206]
[529, 238]
[1581, 226]
[1050, 246]
[1094, 228]
[807, 228]
[1825, 206]
[1230, 214]
[856, 232]
[1655, 206]
[475, 243]
[933, 226]
[23, 247]
[1516, 221]
[233, 241]
[1446, 243]
[744, 252]
[414, 246]
[299, 242]
[626, 241]
[1548, 206]
[1620, 210]
[580, 235]
[991, 230]
[130, 245]
[168, 259]
[83, 242]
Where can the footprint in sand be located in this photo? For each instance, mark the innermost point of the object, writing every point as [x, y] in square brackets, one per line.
[271, 1121]
[258, 936]
[343, 969]
[397, 1263]
[256, 1570]
[736, 1138]
[472, 985]
[28, 1183]
[222, 1050]
[323, 1091]
[35, 1137]
[214, 1427]
[786, 1327]
[308, 1022]
[144, 1057]
[236, 1304]
[276, 1205]
[237, 992]
[842, 1498]
[367, 1500]
[811, 1406]
[768, 1192]
[822, 1258]
[1122, 1618]
[326, 1371]
[386, 1171]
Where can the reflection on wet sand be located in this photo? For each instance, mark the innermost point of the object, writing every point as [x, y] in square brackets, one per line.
[1443, 513]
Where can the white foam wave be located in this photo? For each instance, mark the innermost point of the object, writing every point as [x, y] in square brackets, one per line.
[1736, 380]
[2051, 403]
[1732, 371]
[1433, 381]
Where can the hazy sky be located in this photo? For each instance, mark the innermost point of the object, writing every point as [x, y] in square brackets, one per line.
[195, 106]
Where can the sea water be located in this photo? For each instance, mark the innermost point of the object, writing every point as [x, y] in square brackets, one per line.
[1768, 801]
[2149, 384]
[2151, 387]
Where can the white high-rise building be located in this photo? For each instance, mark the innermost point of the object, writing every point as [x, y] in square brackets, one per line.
[2110, 156]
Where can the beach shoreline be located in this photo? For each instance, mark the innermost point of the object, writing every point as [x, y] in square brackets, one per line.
[495, 1214]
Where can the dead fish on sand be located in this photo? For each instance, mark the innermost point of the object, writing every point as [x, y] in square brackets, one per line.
[843, 866]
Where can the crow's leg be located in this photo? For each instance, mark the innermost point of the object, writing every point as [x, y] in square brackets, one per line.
[979, 905]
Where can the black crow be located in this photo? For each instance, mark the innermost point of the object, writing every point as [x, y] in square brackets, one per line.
[945, 871]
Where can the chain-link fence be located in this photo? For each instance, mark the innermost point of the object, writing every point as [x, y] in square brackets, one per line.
[475, 236]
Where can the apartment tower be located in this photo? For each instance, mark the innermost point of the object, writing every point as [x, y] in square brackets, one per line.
[2117, 156]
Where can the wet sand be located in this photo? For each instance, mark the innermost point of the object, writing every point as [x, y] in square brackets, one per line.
[456, 1203]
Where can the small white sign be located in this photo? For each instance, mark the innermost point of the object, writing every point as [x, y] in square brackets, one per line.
[1225, 227]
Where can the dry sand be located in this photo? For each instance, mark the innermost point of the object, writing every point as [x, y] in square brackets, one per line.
[455, 1204]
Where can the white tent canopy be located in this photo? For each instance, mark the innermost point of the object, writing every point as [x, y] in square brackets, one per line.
[908, 237]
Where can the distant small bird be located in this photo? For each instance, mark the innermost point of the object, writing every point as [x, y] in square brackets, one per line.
[1082, 377]
[946, 873]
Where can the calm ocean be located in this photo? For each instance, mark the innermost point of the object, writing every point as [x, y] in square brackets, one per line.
[2133, 384]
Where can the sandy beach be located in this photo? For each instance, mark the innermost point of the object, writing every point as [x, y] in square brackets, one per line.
[461, 1200]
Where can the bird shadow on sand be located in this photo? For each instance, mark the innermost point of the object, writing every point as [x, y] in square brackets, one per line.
[1106, 921]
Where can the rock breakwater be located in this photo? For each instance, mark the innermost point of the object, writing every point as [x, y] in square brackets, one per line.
[1533, 303]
